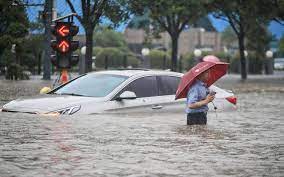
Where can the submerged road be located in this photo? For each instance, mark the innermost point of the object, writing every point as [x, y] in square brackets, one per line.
[248, 142]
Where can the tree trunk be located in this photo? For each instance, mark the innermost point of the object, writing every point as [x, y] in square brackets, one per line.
[174, 52]
[242, 56]
[89, 49]
[39, 64]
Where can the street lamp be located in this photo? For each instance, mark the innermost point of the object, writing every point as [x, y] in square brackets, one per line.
[81, 61]
[13, 48]
[94, 62]
[145, 52]
[269, 54]
[83, 50]
[269, 62]
[247, 61]
[200, 40]
[226, 51]
[197, 53]
[246, 53]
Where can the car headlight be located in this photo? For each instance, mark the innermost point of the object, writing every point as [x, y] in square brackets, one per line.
[65, 111]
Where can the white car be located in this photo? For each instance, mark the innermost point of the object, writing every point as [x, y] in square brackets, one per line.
[279, 63]
[119, 91]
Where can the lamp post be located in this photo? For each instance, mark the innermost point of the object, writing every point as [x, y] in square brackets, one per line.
[197, 53]
[93, 63]
[269, 62]
[145, 60]
[201, 32]
[227, 57]
[81, 62]
[247, 60]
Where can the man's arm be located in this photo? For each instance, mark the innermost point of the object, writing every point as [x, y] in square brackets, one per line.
[201, 103]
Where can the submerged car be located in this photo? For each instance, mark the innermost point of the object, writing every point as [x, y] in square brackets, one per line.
[117, 91]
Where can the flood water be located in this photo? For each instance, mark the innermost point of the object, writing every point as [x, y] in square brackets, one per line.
[248, 142]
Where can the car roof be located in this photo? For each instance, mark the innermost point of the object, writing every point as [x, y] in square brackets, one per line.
[138, 72]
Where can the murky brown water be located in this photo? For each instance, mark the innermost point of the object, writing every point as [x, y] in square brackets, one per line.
[248, 142]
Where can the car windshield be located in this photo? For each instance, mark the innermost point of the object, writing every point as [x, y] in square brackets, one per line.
[93, 85]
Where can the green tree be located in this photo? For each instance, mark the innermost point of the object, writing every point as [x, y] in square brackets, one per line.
[34, 47]
[13, 30]
[245, 16]
[170, 16]
[228, 37]
[90, 14]
[13, 24]
[105, 37]
[281, 45]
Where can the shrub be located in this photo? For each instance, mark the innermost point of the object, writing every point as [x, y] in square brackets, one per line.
[115, 57]
[188, 61]
[159, 59]
[15, 72]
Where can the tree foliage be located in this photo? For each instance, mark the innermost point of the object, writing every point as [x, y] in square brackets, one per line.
[13, 24]
[247, 18]
[229, 37]
[281, 45]
[105, 37]
[90, 13]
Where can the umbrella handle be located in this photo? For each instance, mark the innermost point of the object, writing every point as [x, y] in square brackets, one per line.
[214, 105]
[215, 108]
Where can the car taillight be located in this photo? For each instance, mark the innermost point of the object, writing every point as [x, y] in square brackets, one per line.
[232, 99]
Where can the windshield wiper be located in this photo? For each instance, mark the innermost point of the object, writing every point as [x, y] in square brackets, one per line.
[72, 94]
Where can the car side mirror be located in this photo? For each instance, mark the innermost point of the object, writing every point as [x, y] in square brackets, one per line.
[126, 95]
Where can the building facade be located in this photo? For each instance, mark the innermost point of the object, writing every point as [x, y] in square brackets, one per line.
[193, 38]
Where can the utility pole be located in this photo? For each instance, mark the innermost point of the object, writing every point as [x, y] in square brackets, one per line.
[47, 24]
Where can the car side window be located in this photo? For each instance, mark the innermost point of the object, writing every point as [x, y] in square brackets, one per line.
[168, 85]
[143, 87]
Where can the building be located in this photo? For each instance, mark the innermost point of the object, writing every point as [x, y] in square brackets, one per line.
[188, 41]
[201, 35]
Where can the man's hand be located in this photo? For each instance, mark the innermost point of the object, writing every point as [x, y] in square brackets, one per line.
[209, 98]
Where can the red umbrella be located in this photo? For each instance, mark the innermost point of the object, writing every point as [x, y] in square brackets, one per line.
[216, 70]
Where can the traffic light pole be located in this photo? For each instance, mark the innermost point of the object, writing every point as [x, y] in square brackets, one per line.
[47, 23]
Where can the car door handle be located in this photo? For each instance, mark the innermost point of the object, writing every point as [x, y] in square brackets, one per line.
[157, 107]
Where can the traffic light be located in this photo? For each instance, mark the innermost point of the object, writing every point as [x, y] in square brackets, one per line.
[64, 45]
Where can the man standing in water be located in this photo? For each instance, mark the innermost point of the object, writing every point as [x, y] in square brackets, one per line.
[198, 97]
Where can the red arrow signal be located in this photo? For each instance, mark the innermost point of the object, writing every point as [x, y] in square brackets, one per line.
[63, 46]
[63, 30]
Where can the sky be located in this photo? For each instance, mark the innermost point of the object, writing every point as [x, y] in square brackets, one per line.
[274, 27]
[61, 6]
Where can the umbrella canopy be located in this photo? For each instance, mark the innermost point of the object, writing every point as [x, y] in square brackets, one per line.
[211, 58]
[216, 71]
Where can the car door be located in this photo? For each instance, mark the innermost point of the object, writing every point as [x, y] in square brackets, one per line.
[146, 90]
[167, 86]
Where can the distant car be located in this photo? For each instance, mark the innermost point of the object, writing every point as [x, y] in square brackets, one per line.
[115, 91]
[279, 63]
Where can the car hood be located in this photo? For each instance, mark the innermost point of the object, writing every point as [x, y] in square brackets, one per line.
[46, 103]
